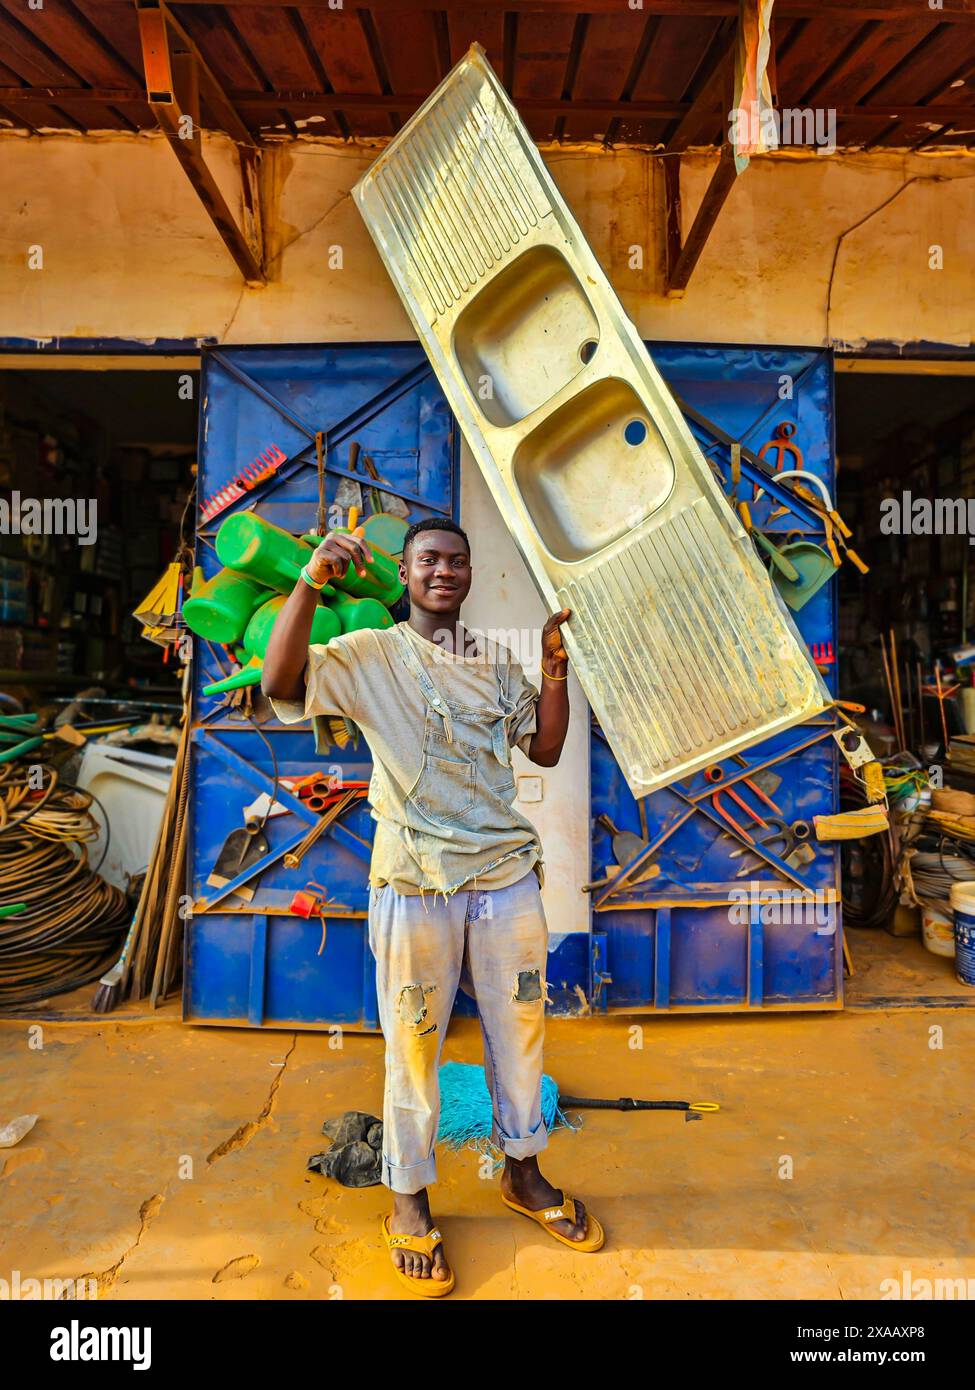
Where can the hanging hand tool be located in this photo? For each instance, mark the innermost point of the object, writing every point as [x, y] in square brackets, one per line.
[762, 784]
[781, 562]
[782, 447]
[263, 467]
[389, 503]
[242, 848]
[783, 840]
[626, 844]
[349, 493]
[813, 566]
[294, 857]
[715, 775]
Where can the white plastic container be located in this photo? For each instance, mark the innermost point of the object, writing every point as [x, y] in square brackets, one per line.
[938, 931]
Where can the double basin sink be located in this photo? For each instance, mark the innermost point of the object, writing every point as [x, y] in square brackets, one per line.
[595, 466]
[681, 649]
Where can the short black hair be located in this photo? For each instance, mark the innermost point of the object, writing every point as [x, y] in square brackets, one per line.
[433, 523]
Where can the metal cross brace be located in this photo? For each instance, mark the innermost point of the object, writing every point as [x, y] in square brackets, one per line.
[335, 434]
[307, 818]
[754, 470]
[694, 801]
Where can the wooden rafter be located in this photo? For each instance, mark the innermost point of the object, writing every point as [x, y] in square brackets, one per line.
[177, 77]
[713, 96]
[947, 12]
[681, 262]
[323, 102]
[938, 112]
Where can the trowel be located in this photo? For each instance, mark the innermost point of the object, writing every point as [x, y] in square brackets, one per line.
[389, 503]
[242, 848]
[626, 846]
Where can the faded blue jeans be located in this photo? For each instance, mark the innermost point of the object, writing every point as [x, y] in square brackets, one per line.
[494, 943]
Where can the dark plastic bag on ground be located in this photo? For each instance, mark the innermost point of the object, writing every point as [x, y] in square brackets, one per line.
[355, 1158]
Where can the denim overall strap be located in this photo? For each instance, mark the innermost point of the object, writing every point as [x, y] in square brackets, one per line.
[499, 734]
[429, 691]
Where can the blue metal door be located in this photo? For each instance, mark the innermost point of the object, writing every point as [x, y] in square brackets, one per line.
[252, 962]
[697, 936]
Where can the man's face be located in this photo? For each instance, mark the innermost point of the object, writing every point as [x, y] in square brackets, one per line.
[437, 571]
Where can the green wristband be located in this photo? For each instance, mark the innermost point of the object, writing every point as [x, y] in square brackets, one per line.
[312, 584]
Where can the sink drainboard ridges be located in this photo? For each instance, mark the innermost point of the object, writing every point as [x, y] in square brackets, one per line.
[673, 607]
[714, 596]
[450, 247]
[665, 608]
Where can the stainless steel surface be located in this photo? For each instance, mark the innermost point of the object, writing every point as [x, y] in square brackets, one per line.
[684, 651]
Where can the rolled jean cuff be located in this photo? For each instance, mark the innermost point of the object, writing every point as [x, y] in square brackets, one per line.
[521, 1148]
[409, 1179]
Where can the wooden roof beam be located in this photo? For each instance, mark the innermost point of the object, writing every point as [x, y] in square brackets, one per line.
[714, 95]
[596, 106]
[948, 12]
[940, 112]
[177, 76]
[682, 258]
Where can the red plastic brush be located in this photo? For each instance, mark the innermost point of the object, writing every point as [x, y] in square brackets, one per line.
[264, 466]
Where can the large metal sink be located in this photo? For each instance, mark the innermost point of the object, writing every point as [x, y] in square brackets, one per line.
[593, 470]
[525, 335]
[684, 652]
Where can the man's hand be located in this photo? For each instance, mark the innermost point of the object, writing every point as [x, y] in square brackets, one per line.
[334, 555]
[555, 659]
[552, 715]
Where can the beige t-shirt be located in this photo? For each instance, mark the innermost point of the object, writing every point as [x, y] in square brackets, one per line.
[420, 845]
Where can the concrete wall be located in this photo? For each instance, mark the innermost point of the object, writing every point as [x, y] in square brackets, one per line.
[128, 252]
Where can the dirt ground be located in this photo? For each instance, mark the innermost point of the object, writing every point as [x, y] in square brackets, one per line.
[169, 1161]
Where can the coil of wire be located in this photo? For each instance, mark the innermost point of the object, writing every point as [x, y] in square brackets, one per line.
[72, 923]
[934, 873]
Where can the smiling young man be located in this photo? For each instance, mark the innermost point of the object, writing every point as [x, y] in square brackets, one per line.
[454, 891]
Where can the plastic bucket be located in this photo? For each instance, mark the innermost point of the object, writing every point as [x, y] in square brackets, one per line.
[938, 931]
[963, 903]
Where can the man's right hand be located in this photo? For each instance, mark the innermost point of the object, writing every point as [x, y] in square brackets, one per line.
[334, 555]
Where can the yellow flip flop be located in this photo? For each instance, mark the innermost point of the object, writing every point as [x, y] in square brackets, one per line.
[419, 1245]
[565, 1211]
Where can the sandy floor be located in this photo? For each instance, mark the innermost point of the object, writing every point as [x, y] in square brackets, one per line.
[169, 1162]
